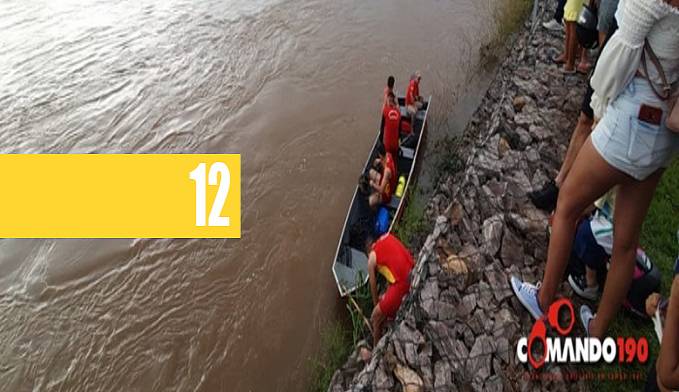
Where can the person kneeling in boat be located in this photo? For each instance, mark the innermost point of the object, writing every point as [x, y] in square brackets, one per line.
[383, 179]
[391, 259]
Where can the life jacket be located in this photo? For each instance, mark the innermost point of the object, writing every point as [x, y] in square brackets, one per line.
[391, 185]
[413, 91]
[392, 121]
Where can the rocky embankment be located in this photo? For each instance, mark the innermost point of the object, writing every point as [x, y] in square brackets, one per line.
[459, 327]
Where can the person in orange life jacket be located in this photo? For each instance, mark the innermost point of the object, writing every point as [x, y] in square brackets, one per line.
[391, 259]
[392, 124]
[414, 101]
[383, 179]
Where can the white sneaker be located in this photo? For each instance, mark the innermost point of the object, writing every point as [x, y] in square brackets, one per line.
[586, 317]
[552, 25]
[527, 295]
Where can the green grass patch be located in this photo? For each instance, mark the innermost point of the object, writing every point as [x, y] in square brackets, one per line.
[508, 18]
[413, 227]
[448, 160]
[659, 240]
[339, 338]
[335, 348]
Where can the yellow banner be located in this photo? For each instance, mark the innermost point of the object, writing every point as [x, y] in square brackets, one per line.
[120, 196]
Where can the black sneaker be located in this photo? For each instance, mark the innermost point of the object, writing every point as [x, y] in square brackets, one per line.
[545, 198]
[579, 285]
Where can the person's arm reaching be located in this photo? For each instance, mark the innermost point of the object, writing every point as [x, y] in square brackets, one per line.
[372, 276]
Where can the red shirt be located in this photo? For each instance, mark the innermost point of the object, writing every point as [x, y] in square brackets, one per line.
[393, 181]
[413, 92]
[394, 261]
[392, 120]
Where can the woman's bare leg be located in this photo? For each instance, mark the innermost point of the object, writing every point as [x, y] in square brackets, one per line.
[581, 132]
[631, 206]
[589, 178]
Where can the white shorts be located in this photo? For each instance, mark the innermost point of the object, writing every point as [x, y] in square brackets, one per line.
[632, 146]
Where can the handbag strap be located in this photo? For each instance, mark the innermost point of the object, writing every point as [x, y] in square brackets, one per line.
[666, 88]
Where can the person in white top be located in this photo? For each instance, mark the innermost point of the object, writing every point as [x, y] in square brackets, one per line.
[630, 147]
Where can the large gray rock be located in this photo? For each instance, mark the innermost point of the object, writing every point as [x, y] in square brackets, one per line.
[468, 305]
[497, 279]
[512, 249]
[446, 311]
[485, 296]
[539, 133]
[448, 346]
[494, 384]
[429, 296]
[493, 228]
[382, 380]
[406, 341]
[479, 363]
[443, 376]
[518, 184]
[476, 321]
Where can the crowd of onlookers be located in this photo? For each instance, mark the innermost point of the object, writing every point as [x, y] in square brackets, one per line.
[626, 135]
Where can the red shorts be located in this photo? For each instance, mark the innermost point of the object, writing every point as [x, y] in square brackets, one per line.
[392, 298]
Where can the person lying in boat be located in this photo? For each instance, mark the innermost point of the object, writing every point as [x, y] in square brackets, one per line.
[414, 100]
[391, 259]
[392, 124]
[383, 179]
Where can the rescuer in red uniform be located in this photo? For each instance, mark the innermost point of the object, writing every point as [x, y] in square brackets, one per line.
[391, 259]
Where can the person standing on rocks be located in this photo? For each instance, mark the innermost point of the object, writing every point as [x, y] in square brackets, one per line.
[390, 258]
[571, 46]
[630, 147]
[545, 198]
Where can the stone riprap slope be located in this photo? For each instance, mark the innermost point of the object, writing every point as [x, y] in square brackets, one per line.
[459, 327]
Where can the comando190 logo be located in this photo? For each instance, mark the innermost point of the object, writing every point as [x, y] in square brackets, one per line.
[565, 349]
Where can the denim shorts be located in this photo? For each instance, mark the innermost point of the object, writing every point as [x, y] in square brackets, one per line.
[632, 146]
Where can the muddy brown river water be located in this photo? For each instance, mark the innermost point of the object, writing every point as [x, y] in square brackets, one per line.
[294, 86]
